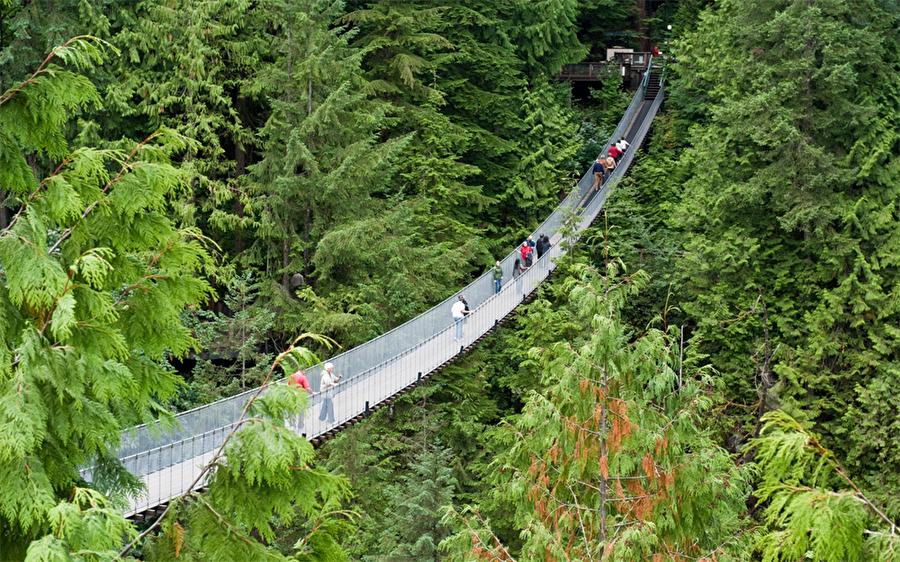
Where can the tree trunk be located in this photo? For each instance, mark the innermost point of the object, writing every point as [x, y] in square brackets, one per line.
[643, 30]
[4, 212]
[286, 261]
[604, 455]
[240, 168]
[306, 224]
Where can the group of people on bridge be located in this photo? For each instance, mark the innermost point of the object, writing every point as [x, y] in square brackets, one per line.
[530, 251]
[604, 166]
[326, 389]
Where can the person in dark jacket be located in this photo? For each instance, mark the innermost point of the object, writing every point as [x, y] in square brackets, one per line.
[599, 171]
[543, 244]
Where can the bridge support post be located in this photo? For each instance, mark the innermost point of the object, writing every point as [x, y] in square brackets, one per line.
[367, 408]
[419, 378]
[461, 348]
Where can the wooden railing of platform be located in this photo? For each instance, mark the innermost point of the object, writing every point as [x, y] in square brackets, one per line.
[628, 63]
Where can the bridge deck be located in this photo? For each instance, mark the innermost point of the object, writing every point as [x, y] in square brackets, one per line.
[382, 368]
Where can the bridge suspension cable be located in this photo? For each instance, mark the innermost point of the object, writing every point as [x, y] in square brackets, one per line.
[169, 462]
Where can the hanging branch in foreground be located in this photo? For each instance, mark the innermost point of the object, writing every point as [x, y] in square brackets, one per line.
[814, 506]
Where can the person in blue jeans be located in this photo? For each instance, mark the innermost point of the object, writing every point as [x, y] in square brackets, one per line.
[326, 388]
[498, 277]
[458, 310]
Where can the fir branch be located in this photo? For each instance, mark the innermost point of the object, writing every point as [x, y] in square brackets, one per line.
[580, 520]
[320, 520]
[835, 464]
[223, 521]
[42, 69]
[481, 543]
[241, 420]
[34, 194]
[125, 166]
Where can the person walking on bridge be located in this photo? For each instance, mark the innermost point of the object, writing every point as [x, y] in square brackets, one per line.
[543, 244]
[497, 273]
[299, 381]
[526, 254]
[599, 171]
[326, 388]
[458, 311]
[518, 270]
[615, 153]
[610, 164]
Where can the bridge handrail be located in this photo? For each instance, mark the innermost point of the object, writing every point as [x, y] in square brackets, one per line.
[139, 444]
[358, 359]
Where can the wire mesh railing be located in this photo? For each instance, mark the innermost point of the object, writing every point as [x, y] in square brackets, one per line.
[168, 462]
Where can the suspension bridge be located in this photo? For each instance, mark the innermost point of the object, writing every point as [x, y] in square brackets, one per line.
[379, 370]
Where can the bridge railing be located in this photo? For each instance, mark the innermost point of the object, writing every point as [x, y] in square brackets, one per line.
[596, 71]
[373, 371]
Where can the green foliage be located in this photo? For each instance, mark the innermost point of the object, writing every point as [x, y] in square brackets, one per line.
[547, 145]
[607, 23]
[815, 511]
[88, 528]
[545, 35]
[612, 100]
[95, 277]
[234, 344]
[399, 40]
[790, 219]
[414, 527]
[661, 487]
[260, 480]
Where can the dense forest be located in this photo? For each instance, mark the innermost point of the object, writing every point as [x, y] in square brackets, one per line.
[198, 197]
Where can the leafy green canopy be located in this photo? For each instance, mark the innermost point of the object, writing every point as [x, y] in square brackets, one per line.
[611, 459]
[95, 277]
[815, 510]
[791, 214]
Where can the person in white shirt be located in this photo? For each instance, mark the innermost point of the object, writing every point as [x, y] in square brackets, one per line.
[326, 389]
[458, 310]
[623, 145]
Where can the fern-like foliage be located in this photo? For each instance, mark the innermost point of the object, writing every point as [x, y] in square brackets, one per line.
[815, 511]
[95, 276]
[611, 459]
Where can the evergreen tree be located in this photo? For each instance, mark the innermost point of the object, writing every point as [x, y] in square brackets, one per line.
[814, 509]
[548, 143]
[791, 214]
[400, 41]
[95, 277]
[611, 459]
[234, 342]
[414, 518]
[545, 35]
[188, 66]
[482, 82]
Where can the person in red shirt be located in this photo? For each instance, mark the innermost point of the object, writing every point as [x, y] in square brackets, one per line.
[615, 153]
[526, 254]
[299, 380]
